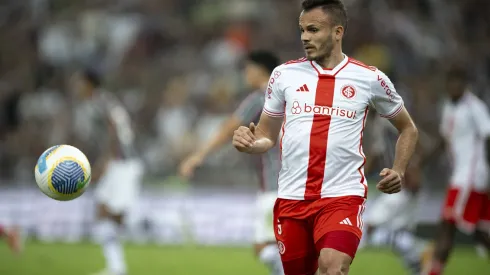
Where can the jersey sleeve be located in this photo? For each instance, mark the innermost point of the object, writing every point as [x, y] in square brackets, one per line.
[250, 108]
[481, 117]
[384, 98]
[274, 96]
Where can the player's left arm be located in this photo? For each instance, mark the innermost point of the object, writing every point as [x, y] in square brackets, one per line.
[389, 104]
[407, 141]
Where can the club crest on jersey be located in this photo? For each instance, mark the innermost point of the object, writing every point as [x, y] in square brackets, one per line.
[282, 247]
[348, 91]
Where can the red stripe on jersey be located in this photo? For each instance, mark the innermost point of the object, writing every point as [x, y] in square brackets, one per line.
[280, 141]
[282, 135]
[272, 114]
[359, 63]
[346, 63]
[363, 178]
[312, 65]
[319, 138]
[303, 59]
[394, 113]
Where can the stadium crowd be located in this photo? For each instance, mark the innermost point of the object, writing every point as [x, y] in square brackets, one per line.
[176, 66]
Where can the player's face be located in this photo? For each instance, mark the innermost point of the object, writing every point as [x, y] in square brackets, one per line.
[455, 87]
[318, 34]
[253, 75]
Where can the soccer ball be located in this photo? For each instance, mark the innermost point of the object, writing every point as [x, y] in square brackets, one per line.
[63, 172]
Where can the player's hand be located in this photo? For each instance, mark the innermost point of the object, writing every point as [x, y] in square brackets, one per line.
[189, 165]
[391, 181]
[244, 138]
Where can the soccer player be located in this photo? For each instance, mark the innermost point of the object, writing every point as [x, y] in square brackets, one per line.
[117, 163]
[258, 67]
[465, 128]
[12, 237]
[323, 100]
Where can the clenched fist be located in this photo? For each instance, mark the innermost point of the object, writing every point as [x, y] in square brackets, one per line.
[244, 138]
[391, 182]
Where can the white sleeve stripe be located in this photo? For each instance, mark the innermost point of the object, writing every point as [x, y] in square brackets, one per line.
[272, 114]
[394, 113]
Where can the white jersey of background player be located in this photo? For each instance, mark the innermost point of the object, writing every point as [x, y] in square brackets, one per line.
[119, 169]
[465, 129]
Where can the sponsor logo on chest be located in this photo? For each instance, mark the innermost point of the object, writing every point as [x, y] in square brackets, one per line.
[304, 108]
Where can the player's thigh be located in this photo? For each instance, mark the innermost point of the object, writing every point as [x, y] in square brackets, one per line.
[295, 242]
[339, 226]
[264, 220]
[331, 259]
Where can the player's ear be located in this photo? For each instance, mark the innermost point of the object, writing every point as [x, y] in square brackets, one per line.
[338, 32]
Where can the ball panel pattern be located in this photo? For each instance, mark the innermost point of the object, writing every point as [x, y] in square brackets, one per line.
[67, 177]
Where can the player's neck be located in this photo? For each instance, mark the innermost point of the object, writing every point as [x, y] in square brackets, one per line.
[331, 61]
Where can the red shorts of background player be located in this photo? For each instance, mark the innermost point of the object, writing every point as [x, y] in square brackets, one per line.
[466, 208]
[303, 228]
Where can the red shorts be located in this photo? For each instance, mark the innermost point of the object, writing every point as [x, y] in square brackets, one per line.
[466, 208]
[303, 228]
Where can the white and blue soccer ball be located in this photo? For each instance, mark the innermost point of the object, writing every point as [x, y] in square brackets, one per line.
[63, 172]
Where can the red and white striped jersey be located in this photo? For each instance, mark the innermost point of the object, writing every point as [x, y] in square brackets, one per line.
[465, 125]
[324, 114]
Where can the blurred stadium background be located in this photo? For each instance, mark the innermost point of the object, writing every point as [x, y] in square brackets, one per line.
[176, 65]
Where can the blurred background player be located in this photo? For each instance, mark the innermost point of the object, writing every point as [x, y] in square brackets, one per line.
[465, 129]
[12, 237]
[391, 219]
[117, 171]
[258, 68]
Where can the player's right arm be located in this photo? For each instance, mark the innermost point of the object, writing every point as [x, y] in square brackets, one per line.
[258, 139]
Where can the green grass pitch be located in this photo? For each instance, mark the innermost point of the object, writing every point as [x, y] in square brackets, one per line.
[83, 259]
